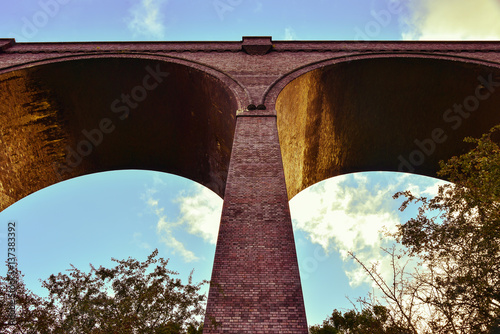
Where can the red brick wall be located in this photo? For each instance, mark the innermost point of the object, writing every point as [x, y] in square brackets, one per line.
[255, 262]
[256, 284]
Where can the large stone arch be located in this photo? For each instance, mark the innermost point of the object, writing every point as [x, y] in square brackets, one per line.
[380, 113]
[73, 116]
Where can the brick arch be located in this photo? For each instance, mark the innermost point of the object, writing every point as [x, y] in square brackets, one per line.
[381, 113]
[272, 92]
[233, 85]
[72, 116]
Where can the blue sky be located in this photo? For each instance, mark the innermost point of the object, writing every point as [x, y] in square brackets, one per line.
[120, 214]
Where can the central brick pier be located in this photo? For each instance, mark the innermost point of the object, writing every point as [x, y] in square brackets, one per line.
[255, 282]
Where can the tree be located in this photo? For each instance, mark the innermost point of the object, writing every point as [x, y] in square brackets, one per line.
[370, 320]
[124, 299]
[32, 314]
[457, 235]
[455, 241]
[400, 297]
[408, 293]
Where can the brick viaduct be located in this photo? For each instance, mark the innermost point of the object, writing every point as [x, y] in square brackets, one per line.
[255, 120]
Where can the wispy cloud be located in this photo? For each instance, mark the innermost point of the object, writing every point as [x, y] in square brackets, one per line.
[452, 20]
[137, 240]
[147, 19]
[258, 7]
[290, 34]
[199, 214]
[350, 213]
[165, 228]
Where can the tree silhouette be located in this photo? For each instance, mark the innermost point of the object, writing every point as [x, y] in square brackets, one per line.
[125, 299]
[455, 242]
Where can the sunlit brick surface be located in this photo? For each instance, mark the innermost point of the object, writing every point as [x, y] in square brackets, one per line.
[255, 282]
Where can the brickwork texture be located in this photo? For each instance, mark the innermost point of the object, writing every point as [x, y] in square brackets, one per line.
[255, 281]
[256, 121]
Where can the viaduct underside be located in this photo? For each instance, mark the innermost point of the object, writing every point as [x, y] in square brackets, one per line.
[256, 121]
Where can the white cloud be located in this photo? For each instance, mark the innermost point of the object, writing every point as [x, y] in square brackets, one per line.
[452, 20]
[258, 7]
[350, 213]
[137, 240]
[165, 230]
[147, 19]
[199, 214]
[290, 34]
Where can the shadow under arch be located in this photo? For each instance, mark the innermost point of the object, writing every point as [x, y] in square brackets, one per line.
[73, 117]
[382, 113]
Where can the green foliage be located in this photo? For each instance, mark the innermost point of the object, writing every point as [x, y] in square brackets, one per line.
[453, 244]
[125, 299]
[373, 320]
[33, 315]
[457, 235]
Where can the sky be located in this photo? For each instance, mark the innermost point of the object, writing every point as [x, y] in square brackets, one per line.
[124, 214]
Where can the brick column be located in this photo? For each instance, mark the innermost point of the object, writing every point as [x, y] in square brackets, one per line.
[255, 279]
